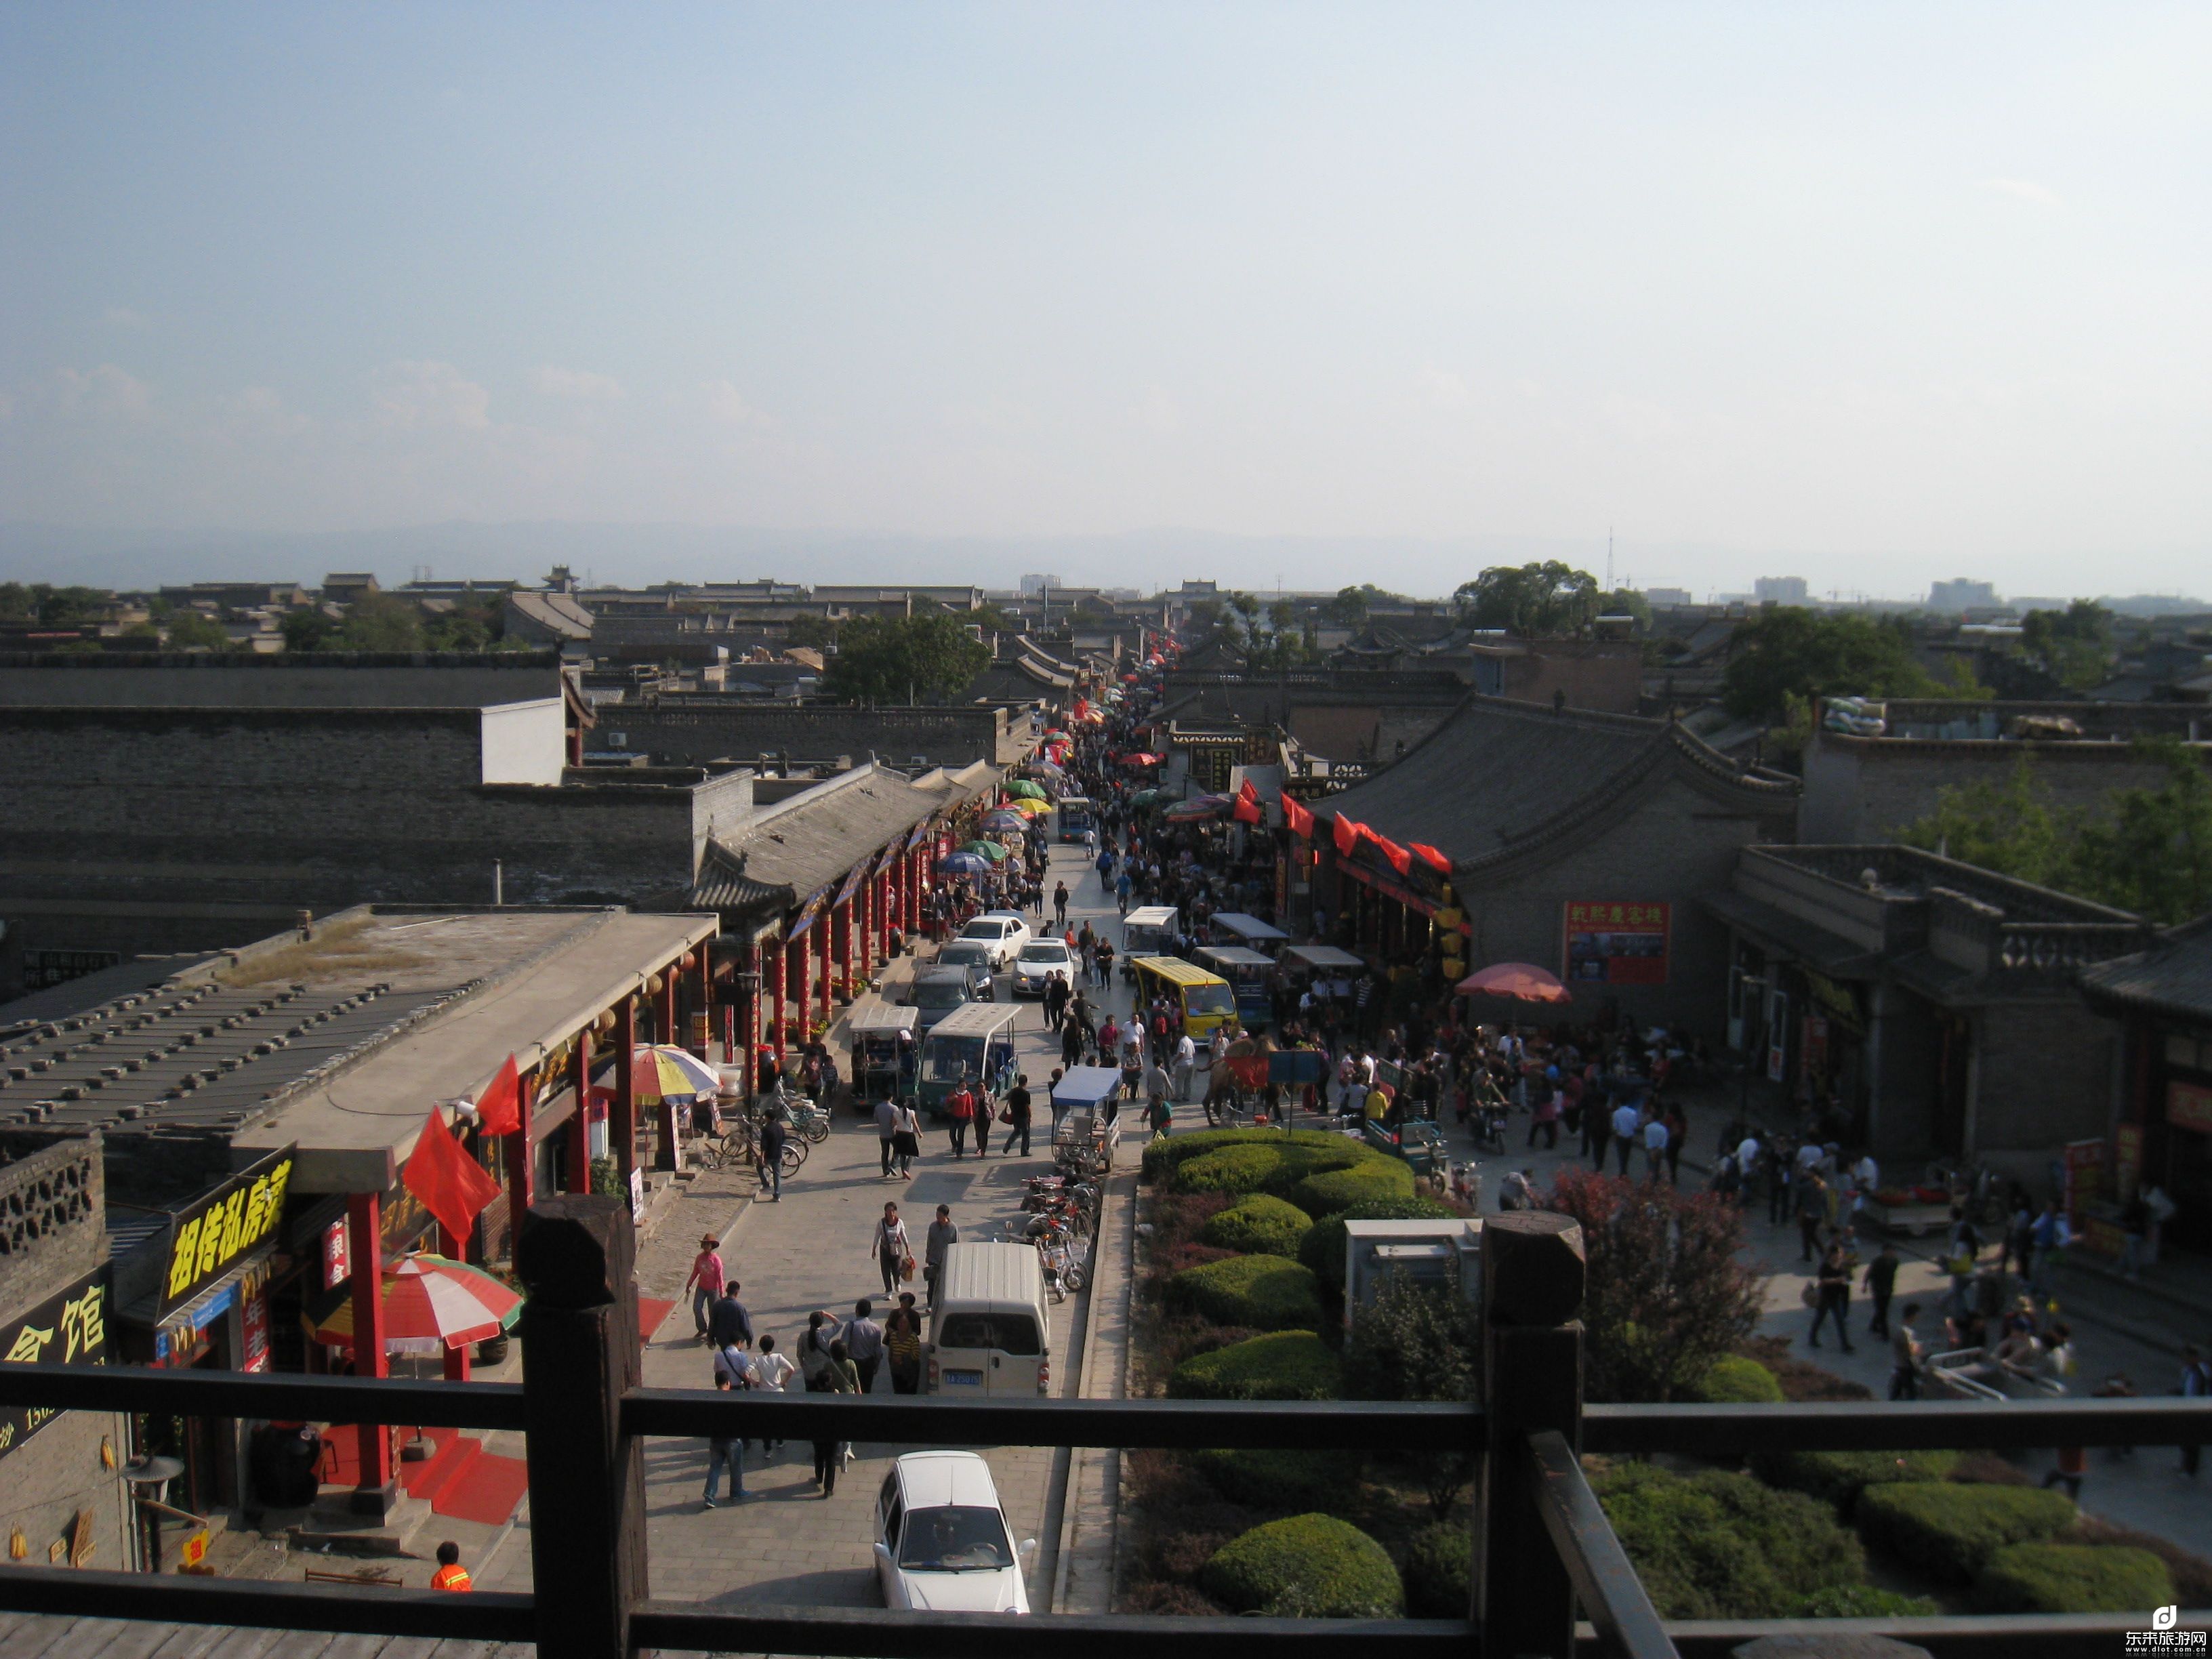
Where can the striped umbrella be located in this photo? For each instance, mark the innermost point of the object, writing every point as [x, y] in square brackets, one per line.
[661, 1072]
[1006, 819]
[430, 1303]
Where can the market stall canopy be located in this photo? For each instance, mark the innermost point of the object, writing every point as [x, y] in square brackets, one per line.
[1141, 759]
[1004, 819]
[659, 1071]
[1023, 787]
[431, 1304]
[983, 849]
[1197, 808]
[963, 863]
[1522, 981]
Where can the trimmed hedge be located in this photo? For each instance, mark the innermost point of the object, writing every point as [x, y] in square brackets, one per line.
[1234, 1170]
[1435, 1572]
[1735, 1380]
[1309, 1567]
[1263, 1292]
[1865, 1601]
[1950, 1530]
[1323, 1248]
[1275, 1480]
[1840, 1476]
[1164, 1158]
[1259, 1225]
[1722, 1546]
[1282, 1365]
[1374, 1178]
[2072, 1578]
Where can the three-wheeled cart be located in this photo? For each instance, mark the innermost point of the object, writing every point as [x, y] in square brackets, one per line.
[886, 1054]
[1086, 1126]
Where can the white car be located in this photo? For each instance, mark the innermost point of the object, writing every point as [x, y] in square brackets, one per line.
[1005, 934]
[942, 1542]
[1041, 961]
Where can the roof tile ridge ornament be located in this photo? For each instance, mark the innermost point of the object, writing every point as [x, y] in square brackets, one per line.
[1701, 754]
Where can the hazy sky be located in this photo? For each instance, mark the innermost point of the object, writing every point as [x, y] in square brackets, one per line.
[1874, 292]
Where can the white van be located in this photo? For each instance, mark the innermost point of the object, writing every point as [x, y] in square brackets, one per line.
[988, 1333]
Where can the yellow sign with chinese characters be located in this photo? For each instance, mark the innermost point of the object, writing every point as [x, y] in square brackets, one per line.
[224, 1228]
[70, 1329]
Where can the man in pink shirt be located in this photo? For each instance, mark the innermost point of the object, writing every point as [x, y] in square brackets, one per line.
[706, 1281]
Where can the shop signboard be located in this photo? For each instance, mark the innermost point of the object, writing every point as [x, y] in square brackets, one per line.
[2127, 1160]
[254, 1322]
[2189, 1106]
[67, 1328]
[337, 1255]
[2084, 1165]
[224, 1228]
[1616, 944]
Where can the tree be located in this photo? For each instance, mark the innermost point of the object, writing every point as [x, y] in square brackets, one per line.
[473, 624]
[991, 619]
[810, 633]
[309, 631]
[1666, 1296]
[1349, 608]
[892, 659]
[1418, 1342]
[1790, 651]
[1266, 636]
[191, 631]
[1549, 599]
[2005, 827]
[52, 606]
[379, 622]
[2153, 854]
[2073, 646]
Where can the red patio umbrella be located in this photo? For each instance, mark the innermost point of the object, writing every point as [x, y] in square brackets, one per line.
[1522, 981]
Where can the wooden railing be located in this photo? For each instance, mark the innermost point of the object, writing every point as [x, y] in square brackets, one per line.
[1542, 1544]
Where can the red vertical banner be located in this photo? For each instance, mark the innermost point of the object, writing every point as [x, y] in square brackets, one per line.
[365, 1246]
[253, 1326]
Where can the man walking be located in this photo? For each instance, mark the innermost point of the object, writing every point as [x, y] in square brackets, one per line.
[1881, 1284]
[941, 1238]
[1627, 1128]
[728, 1324]
[1018, 1116]
[1904, 1357]
[1833, 1297]
[2195, 1385]
[889, 1245]
[733, 1371]
[2050, 1236]
[864, 1343]
[1186, 1062]
[773, 1136]
[1060, 905]
[886, 1116]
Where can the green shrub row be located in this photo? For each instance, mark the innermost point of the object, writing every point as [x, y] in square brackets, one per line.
[1164, 1158]
[1722, 1546]
[1840, 1476]
[2072, 1578]
[1261, 1292]
[1282, 1365]
[1306, 1566]
[1950, 1530]
[1333, 1192]
[1259, 1225]
[1437, 1572]
[1322, 1248]
[1276, 1480]
[1321, 1179]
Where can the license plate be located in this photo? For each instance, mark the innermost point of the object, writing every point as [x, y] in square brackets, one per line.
[963, 1379]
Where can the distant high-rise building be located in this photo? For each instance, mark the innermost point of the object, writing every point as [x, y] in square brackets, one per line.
[1662, 598]
[1779, 589]
[1035, 587]
[1961, 594]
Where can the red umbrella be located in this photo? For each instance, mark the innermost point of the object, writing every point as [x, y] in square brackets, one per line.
[1140, 760]
[1521, 981]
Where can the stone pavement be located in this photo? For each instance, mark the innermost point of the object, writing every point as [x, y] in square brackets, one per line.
[786, 1544]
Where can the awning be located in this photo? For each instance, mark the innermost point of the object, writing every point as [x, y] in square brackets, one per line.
[181, 1328]
[1792, 938]
[1389, 888]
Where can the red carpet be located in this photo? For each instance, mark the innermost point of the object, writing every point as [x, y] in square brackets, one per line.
[651, 1310]
[485, 1489]
[434, 1469]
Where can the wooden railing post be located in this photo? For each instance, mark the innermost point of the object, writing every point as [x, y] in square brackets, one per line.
[1531, 1376]
[579, 1356]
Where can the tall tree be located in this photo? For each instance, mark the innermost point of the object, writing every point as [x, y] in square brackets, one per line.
[1792, 652]
[1546, 598]
[2153, 854]
[892, 659]
[2073, 646]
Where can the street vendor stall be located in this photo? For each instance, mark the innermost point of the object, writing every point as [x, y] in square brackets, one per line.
[886, 1054]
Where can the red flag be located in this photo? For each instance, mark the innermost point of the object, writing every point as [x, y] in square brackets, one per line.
[499, 1110]
[452, 1186]
[1299, 820]
[1348, 832]
[1400, 859]
[1433, 859]
[1248, 809]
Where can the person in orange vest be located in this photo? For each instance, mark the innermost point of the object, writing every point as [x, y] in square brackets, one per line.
[451, 1574]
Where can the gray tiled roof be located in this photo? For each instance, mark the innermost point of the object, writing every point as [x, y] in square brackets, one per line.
[785, 854]
[2174, 976]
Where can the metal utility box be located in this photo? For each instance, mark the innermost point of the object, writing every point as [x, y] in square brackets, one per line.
[1424, 1251]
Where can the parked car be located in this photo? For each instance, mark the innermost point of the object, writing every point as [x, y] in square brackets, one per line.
[1043, 960]
[942, 1542]
[975, 956]
[936, 992]
[1004, 932]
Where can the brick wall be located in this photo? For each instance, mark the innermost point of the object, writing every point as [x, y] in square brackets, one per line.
[2044, 1071]
[698, 733]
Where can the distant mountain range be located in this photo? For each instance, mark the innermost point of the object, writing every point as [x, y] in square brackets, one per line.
[635, 554]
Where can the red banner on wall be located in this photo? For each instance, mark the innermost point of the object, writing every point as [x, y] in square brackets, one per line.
[1616, 944]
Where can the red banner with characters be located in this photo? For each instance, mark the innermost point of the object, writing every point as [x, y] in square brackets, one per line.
[1616, 942]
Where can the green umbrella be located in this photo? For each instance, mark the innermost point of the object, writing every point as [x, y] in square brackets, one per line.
[1146, 797]
[1023, 786]
[1055, 736]
[988, 849]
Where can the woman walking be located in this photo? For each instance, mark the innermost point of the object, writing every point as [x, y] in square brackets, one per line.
[902, 1345]
[892, 1251]
[906, 1139]
[838, 1376]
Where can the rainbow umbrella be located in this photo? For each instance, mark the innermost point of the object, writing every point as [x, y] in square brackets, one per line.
[431, 1302]
[659, 1071]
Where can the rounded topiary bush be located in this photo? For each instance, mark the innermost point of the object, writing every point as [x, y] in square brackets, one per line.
[1323, 1248]
[2072, 1578]
[1272, 1479]
[1281, 1366]
[1307, 1566]
[1373, 1178]
[1735, 1380]
[1720, 1546]
[1234, 1170]
[1437, 1572]
[1164, 1158]
[1949, 1529]
[1259, 1225]
[1840, 1476]
[1865, 1601]
[1266, 1293]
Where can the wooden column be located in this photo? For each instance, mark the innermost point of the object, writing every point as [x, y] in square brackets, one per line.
[580, 1354]
[580, 1130]
[622, 1116]
[841, 943]
[864, 923]
[521, 1177]
[1532, 1366]
[706, 998]
[822, 930]
[775, 957]
[375, 1493]
[796, 957]
[668, 1154]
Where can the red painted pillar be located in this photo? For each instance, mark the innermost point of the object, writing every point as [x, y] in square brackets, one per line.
[864, 924]
[365, 1249]
[457, 1363]
[664, 1154]
[521, 1179]
[841, 942]
[579, 1134]
[622, 1116]
[822, 930]
[774, 958]
[706, 1000]
[796, 957]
